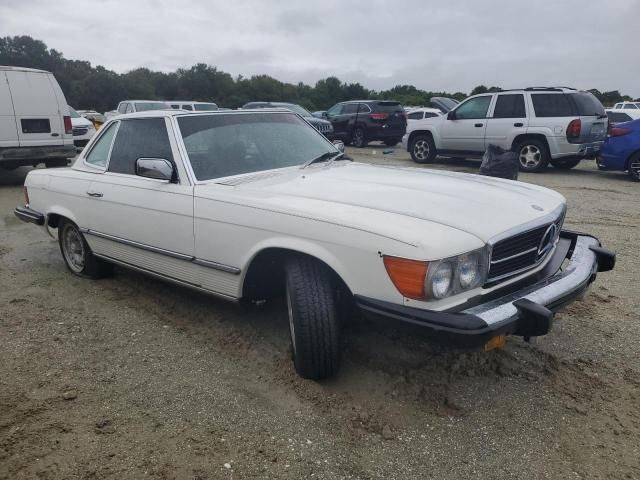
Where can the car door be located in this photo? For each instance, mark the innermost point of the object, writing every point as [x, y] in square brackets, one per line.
[464, 128]
[507, 120]
[339, 119]
[141, 221]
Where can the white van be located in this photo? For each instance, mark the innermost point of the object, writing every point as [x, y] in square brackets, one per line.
[35, 126]
[193, 106]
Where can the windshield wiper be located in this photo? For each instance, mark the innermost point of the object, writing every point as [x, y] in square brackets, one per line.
[323, 158]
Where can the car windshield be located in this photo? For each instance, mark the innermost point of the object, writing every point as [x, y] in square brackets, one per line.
[224, 145]
[295, 109]
[144, 106]
[73, 113]
[205, 107]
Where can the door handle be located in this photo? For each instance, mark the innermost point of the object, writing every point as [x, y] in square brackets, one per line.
[518, 124]
[478, 125]
[55, 134]
[94, 194]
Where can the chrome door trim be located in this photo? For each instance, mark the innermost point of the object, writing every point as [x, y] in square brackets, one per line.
[216, 265]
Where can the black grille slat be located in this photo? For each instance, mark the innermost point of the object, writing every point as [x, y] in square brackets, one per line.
[518, 243]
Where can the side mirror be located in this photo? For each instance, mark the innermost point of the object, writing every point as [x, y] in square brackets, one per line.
[451, 115]
[339, 144]
[156, 168]
[325, 115]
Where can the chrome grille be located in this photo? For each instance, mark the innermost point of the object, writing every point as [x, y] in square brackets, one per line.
[523, 251]
[324, 127]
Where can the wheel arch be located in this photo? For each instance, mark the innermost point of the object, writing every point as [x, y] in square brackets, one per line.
[627, 162]
[263, 273]
[415, 133]
[524, 136]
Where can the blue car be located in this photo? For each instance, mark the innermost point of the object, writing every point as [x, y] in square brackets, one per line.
[621, 149]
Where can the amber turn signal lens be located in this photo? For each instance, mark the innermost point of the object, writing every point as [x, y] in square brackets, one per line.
[408, 276]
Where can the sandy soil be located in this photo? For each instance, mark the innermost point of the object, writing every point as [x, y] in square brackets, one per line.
[129, 377]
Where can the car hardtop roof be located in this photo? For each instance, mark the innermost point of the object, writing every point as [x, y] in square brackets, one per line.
[22, 69]
[184, 101]
[369, 101]
[144, 101]
[173, 112]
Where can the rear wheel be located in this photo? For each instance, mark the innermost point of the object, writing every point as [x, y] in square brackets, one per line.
[359, 137]
[634, 167]
[77, 255]
[533, 155]
[565, 163]
[422, 149]
[314, 318]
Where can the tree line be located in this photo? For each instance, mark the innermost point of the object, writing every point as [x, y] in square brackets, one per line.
[95, 87]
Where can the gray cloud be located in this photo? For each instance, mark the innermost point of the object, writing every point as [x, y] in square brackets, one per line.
[450, 46]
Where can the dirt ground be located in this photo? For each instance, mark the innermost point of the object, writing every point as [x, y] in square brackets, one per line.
[129, 377]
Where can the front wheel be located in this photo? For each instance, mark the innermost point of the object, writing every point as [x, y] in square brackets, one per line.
[77, 255]
[634, 167]
[422, 149]
[314, 323]
[533, 155]
[565, 163]
[359, 137]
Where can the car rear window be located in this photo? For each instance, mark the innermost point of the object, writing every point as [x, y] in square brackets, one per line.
[587, 104]
[552, 105]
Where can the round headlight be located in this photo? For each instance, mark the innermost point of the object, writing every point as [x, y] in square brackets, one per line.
[468, 271]
[442, 280]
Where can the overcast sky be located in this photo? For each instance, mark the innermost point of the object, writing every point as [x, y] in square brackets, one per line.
[449, 45]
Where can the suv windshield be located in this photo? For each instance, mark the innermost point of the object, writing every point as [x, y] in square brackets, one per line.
[144, 106]
[587, 104]
[237, 143]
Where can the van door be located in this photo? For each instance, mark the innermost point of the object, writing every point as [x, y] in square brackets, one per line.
[38, 117]
[8, 130]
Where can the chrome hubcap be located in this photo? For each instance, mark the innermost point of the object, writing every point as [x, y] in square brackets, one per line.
[358, 136]
[421, 149]
[73, 248]
[530, 156]
[291, 327]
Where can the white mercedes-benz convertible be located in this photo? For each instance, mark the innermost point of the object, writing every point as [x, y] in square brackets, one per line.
[240, 203]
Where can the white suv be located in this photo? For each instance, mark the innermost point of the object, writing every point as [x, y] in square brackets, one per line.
[630, 108]
[542, 125]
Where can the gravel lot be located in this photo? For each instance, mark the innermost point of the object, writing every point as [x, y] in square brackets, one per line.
[129, 377]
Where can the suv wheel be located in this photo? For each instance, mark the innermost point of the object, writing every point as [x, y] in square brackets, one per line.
[533, 155]
[422, 149]
[314, 320]
[565, 163]
[634, 167]
[359, 137]
[77, 255]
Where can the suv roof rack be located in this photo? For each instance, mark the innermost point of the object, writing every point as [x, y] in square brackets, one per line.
[547, 89]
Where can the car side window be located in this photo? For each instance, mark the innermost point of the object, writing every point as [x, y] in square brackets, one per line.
[122, 107]
[430, 114]
[364, 108]
[187, 107]
[129, 108]
[630, 106]
[415, 116]
[139, 138]
[617, 105]
[335, 110]
[474, 108]
[510, 106]
[552, 105]
[99, 154]
[350, 108]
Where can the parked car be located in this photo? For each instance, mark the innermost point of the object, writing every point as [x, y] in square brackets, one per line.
[362, 121]
[96, 118]
[218, 202]
[444, 104]
[422, 112]
[132, 106]
[322, 125]
[35, 125]
[193, 106]
[621, 149]
[83, 129]
[630, 108]
[560, 126]
[318, 113]
[616, 116]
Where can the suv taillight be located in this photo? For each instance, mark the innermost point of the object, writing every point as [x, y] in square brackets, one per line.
[26, 195]
[68, 128]
[574, 127]
[618, 131]
[378, 116]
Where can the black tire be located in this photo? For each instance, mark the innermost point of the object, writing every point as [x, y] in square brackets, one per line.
[422, 149]
[56, 162]
[391, 142]
[314, 318]
[359, 137]
[634, 167]
[77, 254]
[533, 155]
[565, 163]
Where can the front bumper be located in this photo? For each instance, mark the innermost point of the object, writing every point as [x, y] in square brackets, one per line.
[525, 309]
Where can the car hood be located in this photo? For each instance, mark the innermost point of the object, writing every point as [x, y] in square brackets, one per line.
[394, 202]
